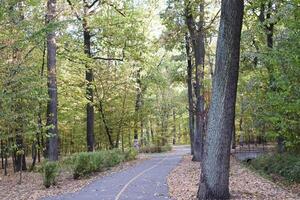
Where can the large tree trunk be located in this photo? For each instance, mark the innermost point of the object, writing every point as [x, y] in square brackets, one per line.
[197, 37]
[190, 92]
[89, 79]
[52, 86]
[215, 168]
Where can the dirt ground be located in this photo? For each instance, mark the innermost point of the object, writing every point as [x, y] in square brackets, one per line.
[244, 183]
[32, 187]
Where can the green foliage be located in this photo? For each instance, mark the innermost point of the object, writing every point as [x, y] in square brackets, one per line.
[85, 163]
[285, 165]
[155, 149]
[130, 154]
[268, 96]
[50, 173]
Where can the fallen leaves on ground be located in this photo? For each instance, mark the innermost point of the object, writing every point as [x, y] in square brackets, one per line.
[244, 183]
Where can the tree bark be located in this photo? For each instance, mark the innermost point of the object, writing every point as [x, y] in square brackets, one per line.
[190, 92]
[89, 76]
[108, 130]
[138, 105]
[174, 127]
[214, 183]
[52, 85]
[197, 39]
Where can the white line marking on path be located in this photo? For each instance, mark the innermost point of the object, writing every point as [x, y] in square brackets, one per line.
[134, 178]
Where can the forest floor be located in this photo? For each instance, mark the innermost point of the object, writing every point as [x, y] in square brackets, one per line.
[32, 187]
[244, 183]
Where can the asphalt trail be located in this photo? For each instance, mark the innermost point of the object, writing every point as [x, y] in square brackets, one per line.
[145, 181]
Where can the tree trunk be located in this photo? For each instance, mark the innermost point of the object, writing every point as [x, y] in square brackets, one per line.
[20, 162]
[197, 37]
[138, 105]
[174, 127]
[89, 76]
[233, 138]
[190, 92]
[52, 86]
[2, 154]
[108, 130]
[214, 182]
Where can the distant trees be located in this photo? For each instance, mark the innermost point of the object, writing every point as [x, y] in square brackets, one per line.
[107, 56]
[214, 183]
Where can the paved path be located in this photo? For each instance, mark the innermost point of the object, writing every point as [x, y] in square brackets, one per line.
[144, 181]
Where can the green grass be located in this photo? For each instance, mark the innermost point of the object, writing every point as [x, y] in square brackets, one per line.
[283, 165]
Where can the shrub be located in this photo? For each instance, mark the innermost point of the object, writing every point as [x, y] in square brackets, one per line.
[130, 154]
[155, 149]
[86, 163]
[50, 173]
[285, 165]
[166, 148]
[113, 157]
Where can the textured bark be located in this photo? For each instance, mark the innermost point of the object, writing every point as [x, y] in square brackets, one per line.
[108, 130]
[174, 127]
[89, 76]
[214, 182]
[138, 103]
[190, 92]
[52, 143]
[2, 154]
[197, 39]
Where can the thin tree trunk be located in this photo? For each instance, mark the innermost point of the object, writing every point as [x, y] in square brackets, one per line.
[174, 127]
[190, 92]
[108, 130]
[52, 85]
[2, 154]
[138, 105]
[214, 182]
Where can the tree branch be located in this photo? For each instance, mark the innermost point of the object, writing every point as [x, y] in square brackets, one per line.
[92, 4]
[213, 20]
[73, 9]
[116, 9]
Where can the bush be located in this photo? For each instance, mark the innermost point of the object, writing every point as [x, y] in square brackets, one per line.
[113, 157]
[86, 163]
[82, 164]
[166, 148]
[130, 154]
[155, 149]
[285, 165]
[50, 172]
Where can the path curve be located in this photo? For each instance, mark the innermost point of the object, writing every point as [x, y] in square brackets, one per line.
[144, 181]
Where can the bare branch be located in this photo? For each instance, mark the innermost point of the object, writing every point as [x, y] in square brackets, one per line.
[115, 59]
[213, 20]
[92, 4]
[73, 9]
[116, 9]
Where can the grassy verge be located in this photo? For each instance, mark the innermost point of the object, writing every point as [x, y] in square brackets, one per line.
[286, 166]
[85, 163]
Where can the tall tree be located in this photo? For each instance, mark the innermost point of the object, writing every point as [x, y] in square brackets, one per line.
[214, 183]
[52, 146]
[89, 78]
[196, 30]
[190, 92]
